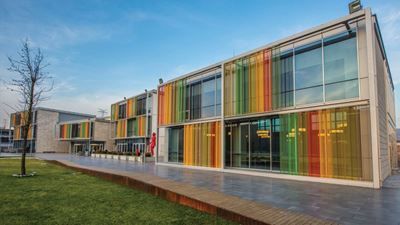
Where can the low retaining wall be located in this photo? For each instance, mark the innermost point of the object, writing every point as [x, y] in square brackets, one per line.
[123, 157]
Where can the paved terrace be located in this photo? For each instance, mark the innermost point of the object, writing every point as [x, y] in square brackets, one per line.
[343, 204]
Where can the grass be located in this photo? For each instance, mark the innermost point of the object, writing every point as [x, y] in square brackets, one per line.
[62, 196]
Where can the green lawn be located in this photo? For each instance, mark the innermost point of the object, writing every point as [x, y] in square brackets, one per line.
[62, 196]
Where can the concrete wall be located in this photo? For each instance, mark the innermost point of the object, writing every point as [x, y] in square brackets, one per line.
[162, 144]
[386, 115]
[46, 137]
[102, 133]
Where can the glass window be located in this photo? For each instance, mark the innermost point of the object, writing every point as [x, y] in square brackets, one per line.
[341, 90]
[309, 95]
[340, 57]
[188, 102]
[131, 127]
[141, 106]
[218, 96]
[195, 106]
[282, 79]
[208, 98]
[75, 130]
[122, 111]
[203, 98]
[17, 119]
[308, 65]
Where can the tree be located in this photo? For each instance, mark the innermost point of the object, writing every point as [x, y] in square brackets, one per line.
[32, 82]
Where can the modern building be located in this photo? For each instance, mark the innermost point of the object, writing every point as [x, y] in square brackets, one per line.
[6, 139]
[133, 121]
[42, 135]
[315, 106]
[398, 147]
[85, 136]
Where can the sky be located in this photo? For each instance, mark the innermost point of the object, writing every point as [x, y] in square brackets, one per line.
[102, 51]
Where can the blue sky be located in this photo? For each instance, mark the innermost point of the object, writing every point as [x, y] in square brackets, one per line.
[101, 51]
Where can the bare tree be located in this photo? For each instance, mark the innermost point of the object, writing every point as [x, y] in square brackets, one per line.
[32, 83]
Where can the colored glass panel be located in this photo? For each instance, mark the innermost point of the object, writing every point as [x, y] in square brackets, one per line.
[121, 128]
[114, 112]
[190, 99]
[247, 84]
[202, 144]
[75, 130]
[332, 143]
[171, 100]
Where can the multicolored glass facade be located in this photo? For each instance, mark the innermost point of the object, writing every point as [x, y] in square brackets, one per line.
[298, 107]
[248, 84]
[202, 144]
[129, 117]
[287, 76]
[121, 129]
[171, 103]
[17, 135]
[136, 127]
[18, 121]
[75, 130]
[332, 143]
[193, 98]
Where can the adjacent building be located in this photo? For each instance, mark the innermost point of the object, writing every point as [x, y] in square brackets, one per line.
[133, 121]
[43, 133]
[85, 136]
[315, 106]
[6, 139]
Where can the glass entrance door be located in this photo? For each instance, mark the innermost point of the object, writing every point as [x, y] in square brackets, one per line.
[260, 144]
[175, 145]
[240, 145]
[253, 144]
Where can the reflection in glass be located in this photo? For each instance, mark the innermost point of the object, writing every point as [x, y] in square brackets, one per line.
[341, 90]
[244, 145]
[308, 65]
[309, 95]
[228, 140]
[195, 106]
[260, 137]
[218, 96]
[208, 98]
[282, 79]
[340, 57]
[275, 149]
[175, 145]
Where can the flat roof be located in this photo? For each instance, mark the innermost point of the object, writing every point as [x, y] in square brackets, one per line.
[291, 38]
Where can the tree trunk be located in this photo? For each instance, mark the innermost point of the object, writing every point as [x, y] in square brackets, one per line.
[23, 167]
[26, 131]
[25, 144]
